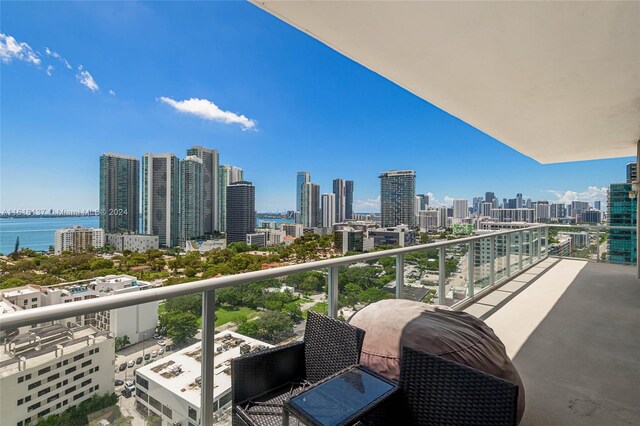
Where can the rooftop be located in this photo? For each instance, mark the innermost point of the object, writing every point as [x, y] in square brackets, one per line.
[178, 372]
[39, 345]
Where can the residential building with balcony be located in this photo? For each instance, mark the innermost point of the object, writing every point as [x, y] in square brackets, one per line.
[135, 322]
[241, 211]
[622, 212]
[119, 193]
[398, 197]
[161, 197]
[210, 187]
[52, 368]
[226, 176]
[77, 239]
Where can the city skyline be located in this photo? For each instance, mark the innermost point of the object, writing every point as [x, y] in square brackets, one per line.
[63, 118]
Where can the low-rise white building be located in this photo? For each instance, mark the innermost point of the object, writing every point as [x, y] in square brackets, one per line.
[133, 242]
[77, 238]
[51, 369]
[170, 387]
[132, 321]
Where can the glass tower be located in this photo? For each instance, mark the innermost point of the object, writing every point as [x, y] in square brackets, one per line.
[398, 197]
[119, 193]
[622, 212]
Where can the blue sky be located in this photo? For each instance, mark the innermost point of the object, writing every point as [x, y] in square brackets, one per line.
[272, 101]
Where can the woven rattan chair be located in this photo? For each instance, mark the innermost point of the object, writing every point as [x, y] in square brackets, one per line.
[262, 381]
[437, 391]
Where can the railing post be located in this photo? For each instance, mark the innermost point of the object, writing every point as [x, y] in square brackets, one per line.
[441, 278]
[207, 365]
[399, 275]
[332, 290]
[539, 243]
[492, 260]
[470, 268]
[546, 241]
[531, 247]
[597, 244]
[520, 248]
[508, 253]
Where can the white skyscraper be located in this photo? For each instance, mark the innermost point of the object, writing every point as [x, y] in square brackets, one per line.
[460, 208]
[210, 190]
[227, 176]
[310, 213]
[442, 217]
[160, 197]
[328, 210]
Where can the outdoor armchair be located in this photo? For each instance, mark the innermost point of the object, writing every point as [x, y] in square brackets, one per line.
[261, 381]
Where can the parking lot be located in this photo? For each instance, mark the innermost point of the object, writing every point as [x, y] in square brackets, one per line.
[132, 353]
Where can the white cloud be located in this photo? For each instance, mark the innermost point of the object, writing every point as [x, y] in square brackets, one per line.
[86, 79]
[49, 70]
[367, 205]
[592, 193]
[207, 110]
[448, 201]
[58, 57]
[112, 93]
[11, 49]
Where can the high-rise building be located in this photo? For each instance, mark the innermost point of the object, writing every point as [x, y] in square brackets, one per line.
[558, 211]
[519, 201]
[485, 209]
[310, 213]
[632, 172]
[397, 197]
[460, 208]
[597, 205]
[192, 212]
[542, 211]
[226, 176]
[512, 203]
[301, 179]
[422, 202]
[119, 192]
[622, 211]
[328, 210]
[590, 216]
[442, 217]
[428, 220]
[241, 211]
[210, 190]
[77, 239]
[348, 199]
[477, 204]
[489, 196]
[160, 197]
[512, 215]
[339, 192]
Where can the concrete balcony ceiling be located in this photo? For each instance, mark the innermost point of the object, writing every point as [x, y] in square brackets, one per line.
[556, 81]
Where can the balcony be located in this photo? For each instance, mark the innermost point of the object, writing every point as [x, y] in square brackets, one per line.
[570, 327]
[574, 345]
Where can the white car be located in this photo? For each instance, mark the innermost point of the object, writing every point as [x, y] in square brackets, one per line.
[162, 342]
[154, 354]
[160, 351]
[131, 363]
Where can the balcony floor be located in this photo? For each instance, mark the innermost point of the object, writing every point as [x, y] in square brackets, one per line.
[573, 330]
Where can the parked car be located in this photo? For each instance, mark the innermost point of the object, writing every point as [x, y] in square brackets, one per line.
[161, 342]
[118, 382]
[122, 367]
[169, 348]
[154, 354]
[126, 393]
[147, 357]
[160, 351]
[139, 360]
[131, 363]
[130, 385]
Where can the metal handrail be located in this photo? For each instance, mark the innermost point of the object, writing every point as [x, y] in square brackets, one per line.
[56, 312]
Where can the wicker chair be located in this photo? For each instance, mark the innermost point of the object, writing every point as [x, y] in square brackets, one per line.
[262, 381]
[437, 391]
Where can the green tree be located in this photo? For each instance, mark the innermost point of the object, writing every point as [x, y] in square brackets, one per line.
[180, 326]
[122, 342]
[271, 326]
[191, 303]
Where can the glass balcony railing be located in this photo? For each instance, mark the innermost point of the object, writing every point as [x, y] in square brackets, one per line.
[597, 243]
[454, 273]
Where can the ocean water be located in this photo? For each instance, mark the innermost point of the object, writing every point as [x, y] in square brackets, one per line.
[37, 233]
